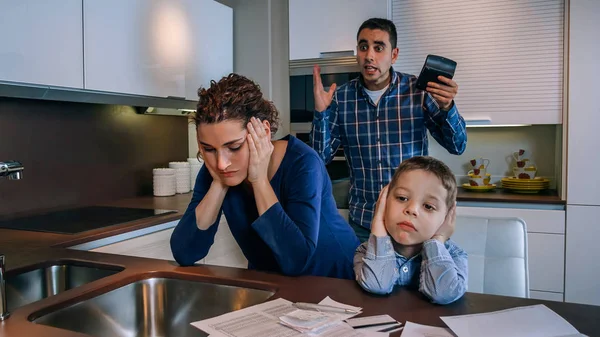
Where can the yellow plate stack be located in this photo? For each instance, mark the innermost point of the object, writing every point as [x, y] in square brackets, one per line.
[525, 185]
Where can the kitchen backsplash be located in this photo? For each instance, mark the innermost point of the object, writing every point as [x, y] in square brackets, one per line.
[497, 144]
[77, 153]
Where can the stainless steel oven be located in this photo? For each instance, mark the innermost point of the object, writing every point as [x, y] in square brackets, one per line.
[333, 70]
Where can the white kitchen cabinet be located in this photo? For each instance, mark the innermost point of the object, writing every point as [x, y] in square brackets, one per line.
[546, 249]
[328, 25]
[41, 42]
[583, 163]
[546, 262]
[225, 251]
[155, 245]
[583, 255]
[545, 295]
[211, 45]
[137, 46]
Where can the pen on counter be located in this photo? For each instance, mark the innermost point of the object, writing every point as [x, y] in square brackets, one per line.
[371, 325]
[322, 307]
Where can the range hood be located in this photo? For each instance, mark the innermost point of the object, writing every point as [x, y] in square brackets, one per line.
[53, 93]
[340, 64]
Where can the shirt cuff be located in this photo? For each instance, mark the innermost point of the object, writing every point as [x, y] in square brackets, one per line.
[434, 251]
[319, 116]
[263, 225]
[380, 247]
[440, 115]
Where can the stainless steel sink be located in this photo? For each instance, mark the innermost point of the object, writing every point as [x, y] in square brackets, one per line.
[153, 307]
[47, 280]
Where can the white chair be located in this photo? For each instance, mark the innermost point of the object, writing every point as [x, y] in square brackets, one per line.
[497, 249]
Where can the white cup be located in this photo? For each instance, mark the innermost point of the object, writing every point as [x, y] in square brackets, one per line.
[182, 176]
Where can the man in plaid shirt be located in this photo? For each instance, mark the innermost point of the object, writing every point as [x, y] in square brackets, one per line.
[381, 119]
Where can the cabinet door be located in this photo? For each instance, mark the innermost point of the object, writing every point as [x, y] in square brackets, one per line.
[155, 246]
[537, 221]
[41, 42]
[582, 255]
[583, 163]
[136, 46]
[546, 257]
[211, 44]
[328, 25]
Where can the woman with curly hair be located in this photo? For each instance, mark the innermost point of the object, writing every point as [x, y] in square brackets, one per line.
[275, 195]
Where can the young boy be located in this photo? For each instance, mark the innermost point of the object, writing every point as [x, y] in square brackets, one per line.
[409, 242]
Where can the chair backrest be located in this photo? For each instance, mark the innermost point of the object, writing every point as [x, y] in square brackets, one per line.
[497, 249]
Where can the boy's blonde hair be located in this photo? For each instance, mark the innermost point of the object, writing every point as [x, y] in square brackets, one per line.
[431, 165]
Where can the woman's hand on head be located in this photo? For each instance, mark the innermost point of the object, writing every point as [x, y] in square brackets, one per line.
[378, 223]
[261, 149]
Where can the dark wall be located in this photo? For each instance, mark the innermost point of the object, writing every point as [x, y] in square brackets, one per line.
[77, 154]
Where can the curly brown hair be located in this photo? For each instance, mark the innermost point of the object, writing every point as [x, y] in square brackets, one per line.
[234, 97]
[431, 165]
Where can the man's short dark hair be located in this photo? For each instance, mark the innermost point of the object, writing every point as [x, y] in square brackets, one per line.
[381, 24]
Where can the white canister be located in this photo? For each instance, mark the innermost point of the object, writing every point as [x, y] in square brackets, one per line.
[182, 175]
[195, 166]
[163, 182]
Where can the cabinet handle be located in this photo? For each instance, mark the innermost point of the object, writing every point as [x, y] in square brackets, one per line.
[176, 97]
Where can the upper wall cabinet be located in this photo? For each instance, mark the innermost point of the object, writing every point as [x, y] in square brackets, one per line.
[318, 26]
[136, 46]
[211, 47]
[41, 42]
[509, 55]
[162, 48]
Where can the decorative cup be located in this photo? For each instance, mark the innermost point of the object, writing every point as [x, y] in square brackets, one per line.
[519, 155]
[477, 172]
[480, 163]
[485, 179]
[522, 163]
[525, 172]
[476, 181]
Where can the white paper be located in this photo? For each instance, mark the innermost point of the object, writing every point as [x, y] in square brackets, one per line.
[529, 321]
[328, 301]
[263, 320]
[418, 330]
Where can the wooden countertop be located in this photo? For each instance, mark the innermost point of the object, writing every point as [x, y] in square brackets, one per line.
[24, 249]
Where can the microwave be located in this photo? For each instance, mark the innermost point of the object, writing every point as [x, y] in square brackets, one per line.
[333, 70]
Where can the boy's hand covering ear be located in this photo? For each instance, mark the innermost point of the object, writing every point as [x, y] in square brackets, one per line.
[447, 228]
[378, 224]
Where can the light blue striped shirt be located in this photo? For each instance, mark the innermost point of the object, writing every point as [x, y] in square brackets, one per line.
[377, 138]
[439, 271]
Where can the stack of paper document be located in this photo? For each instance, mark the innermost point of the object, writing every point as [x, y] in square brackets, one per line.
[530, 321]
[264, 320]
[309, 320]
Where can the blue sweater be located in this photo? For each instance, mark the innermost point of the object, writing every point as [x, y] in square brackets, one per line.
[302, 234]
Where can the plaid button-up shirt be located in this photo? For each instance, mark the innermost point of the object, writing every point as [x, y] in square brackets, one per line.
[377, 138]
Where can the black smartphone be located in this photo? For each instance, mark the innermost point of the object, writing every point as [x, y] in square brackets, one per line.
[435, 66]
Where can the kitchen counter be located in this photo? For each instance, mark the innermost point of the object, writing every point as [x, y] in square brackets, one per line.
[31, 240]
[340, 192]
[23, 249]
[500, 195]
[403, 304]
